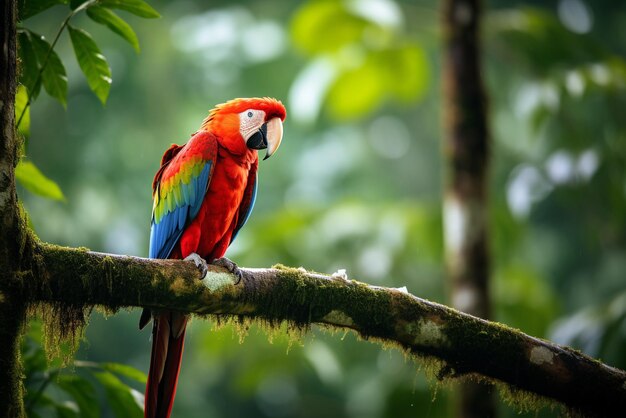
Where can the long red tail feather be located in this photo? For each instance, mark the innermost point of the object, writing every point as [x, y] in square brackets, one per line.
[168, 336]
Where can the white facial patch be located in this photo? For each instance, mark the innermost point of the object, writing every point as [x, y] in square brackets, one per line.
[250, 121]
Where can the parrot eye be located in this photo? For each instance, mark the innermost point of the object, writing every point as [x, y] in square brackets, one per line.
[249, 114]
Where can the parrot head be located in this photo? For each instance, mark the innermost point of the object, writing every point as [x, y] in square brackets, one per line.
[242, 124]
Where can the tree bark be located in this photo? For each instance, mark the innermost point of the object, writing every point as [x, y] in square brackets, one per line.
[466, 149]
[12, 309]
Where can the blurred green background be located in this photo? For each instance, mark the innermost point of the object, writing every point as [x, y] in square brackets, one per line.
[357, 182]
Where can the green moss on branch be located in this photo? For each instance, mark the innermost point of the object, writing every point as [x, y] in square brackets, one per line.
[456, 344]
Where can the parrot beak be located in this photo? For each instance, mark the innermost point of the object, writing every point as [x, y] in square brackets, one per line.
[274, 136]
[268, 137]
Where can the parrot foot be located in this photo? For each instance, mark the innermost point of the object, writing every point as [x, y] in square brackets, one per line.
[230, 266]
[199, 262]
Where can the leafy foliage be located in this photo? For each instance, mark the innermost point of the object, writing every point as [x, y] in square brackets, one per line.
[373, 60]
[30, 66]
[399, 73]
[83, 394]
[311, 22]
[71, 392]
[21, 98]
[36, 182]
[92, 62]
[52, 70]
[108, 18]
[123, 401]
[40, 64]
[137, 7]
[29, 8]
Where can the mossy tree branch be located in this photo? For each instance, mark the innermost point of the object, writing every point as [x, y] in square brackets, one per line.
[463, 344]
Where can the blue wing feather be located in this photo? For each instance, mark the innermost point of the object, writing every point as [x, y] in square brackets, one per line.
[165, 234]
[202, 184]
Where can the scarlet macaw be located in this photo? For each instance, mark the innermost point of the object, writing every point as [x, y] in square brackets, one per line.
[203, 194]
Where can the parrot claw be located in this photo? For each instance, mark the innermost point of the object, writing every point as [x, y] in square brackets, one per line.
[199, 262]
[230, 266]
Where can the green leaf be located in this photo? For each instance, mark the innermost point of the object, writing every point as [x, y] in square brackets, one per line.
[83, 393]
[29, 64]
[311, 23]
[136, 7]
[115, 23]
[399, 73]
[407, 71]
[356, 92]
[125, 370]
[21, 98]
[53, 76]
[120, 397]
[28, 8]
[36, 182]
[92, 62]
[43, 404]
[66, 410]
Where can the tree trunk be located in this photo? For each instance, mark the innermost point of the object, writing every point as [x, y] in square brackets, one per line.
[466, 149]
[12, 310]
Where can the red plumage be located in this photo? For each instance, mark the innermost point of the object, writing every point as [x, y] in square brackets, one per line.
[198, 213]
[209, 234]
